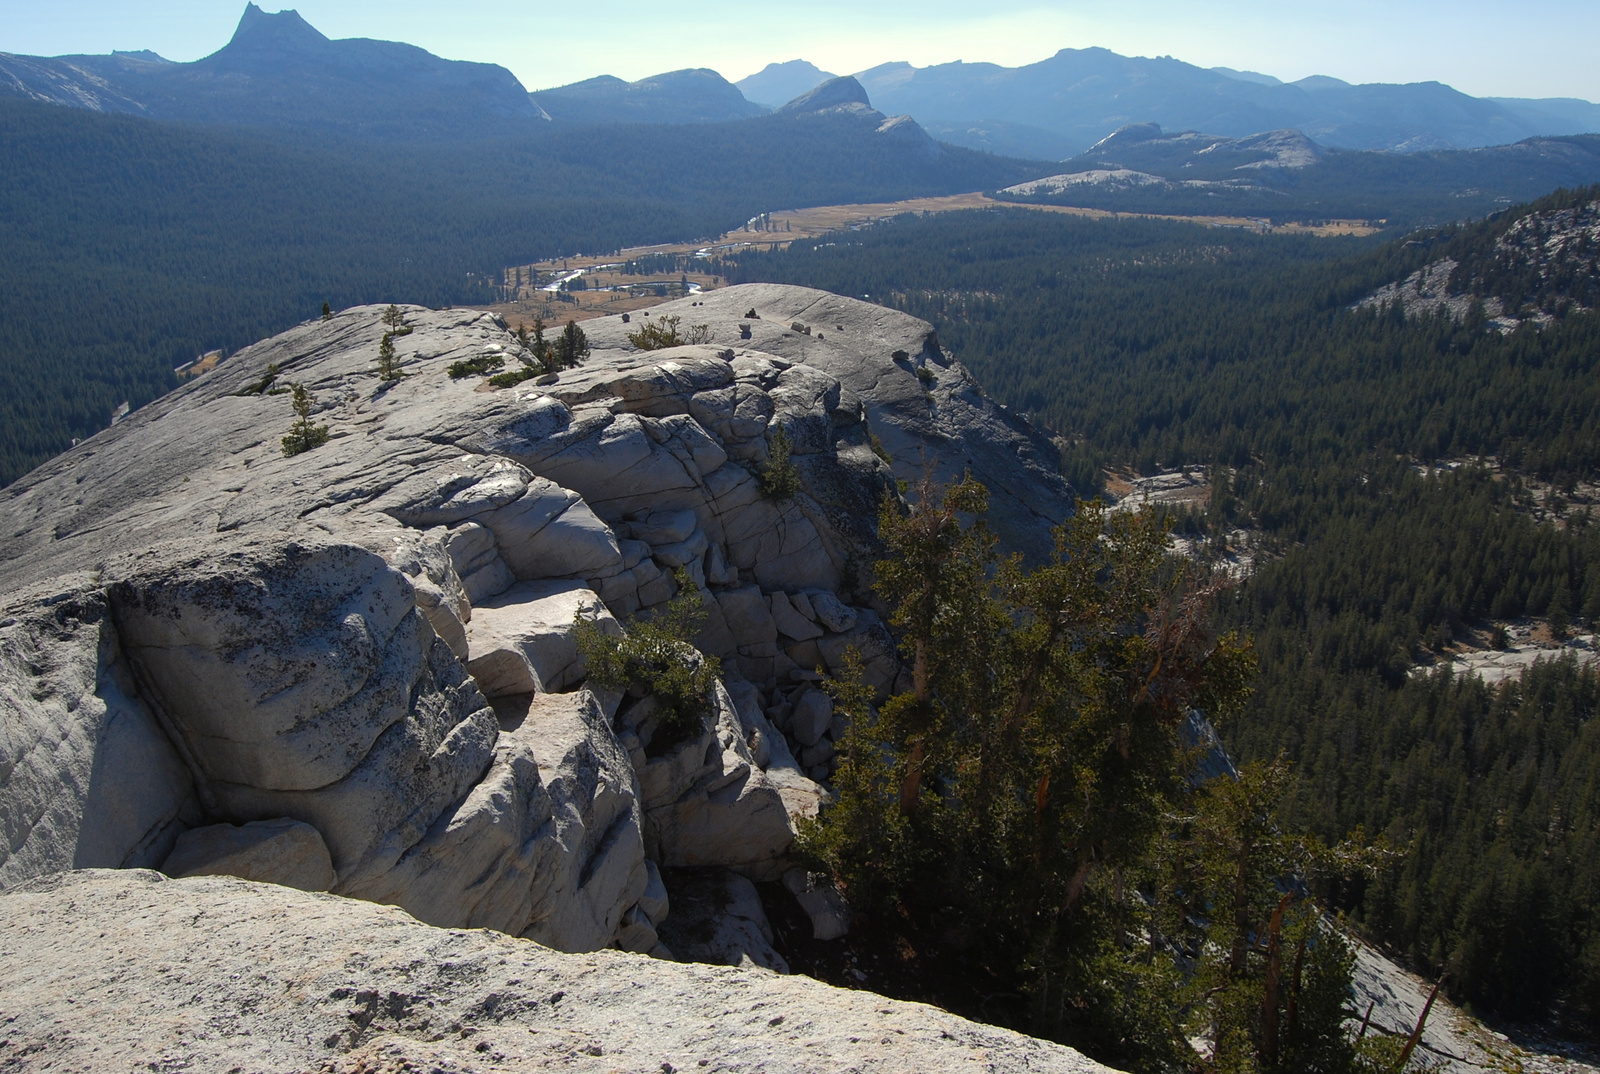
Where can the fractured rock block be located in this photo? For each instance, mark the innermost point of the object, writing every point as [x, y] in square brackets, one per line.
[551, 533]
[822, 903]
[654, 902]
[707, 804]
[281, 851]
[830, 611]
[525, 640]
[664, 527]
[686, 553]
[471, 547]
[790, 623]
[748, 617]
[811, 718]
[488, 581]
[718, 918]
[872, 640]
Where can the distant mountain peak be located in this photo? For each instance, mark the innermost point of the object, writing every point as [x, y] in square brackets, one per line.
[1248, 76]
[843, 92]
[1321, 82]
[283, 31]
[690, 95]
[1132, 134]
[779, 82]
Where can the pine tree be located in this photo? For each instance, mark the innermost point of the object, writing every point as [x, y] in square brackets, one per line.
[388, 366]
[571, 347]
[538, 345]
[392, 317]
[303, 435]
[327, 312]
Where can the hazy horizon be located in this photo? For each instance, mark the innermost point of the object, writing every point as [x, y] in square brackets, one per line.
[1462, 44]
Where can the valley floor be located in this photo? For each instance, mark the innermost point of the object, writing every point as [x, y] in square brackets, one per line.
[776, 230]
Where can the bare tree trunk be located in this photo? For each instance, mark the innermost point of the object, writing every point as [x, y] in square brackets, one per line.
[1416, 1034]
[1269, 986]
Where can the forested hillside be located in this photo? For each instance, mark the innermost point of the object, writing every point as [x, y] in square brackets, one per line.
[1440, 186]
[129, 247]
[1160, 345]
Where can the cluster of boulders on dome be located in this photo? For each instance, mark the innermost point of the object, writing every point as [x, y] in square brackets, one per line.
[356, 668]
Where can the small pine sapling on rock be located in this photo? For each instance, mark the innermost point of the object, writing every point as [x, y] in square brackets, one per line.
[388, 365]
[779, 478]
[303, 435]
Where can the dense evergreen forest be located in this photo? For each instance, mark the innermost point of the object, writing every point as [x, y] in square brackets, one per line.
[1158, 345]
[128, 247]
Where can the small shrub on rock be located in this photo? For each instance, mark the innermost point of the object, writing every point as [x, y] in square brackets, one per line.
[512, 377]
[654, 657]
[476, 367]
[663, 332]
[261, 386]
[570, 348]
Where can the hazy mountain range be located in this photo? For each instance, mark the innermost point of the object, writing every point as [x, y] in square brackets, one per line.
[1284, 175]
[278, 71]
[1061, 106]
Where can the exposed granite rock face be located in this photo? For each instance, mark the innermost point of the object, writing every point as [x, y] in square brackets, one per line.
[88, 779]
[719, 919]
[200, 631]
[706, 801]
[945, 420]
[281, 851]
[215, 973]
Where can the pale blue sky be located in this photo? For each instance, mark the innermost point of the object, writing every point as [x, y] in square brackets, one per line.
[1536, 48]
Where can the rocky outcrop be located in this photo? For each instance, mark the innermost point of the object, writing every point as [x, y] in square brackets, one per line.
[216, 658]
[926, 410]
[279, 851]
[216, 974]
[718, 918]
[88, 778]
[1537, 266]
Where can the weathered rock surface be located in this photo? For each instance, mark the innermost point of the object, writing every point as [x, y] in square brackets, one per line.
[707, 803]
[279, 851]
[719, 919]
[217, 974]
[200, 633]
[945, 425]
[87, 777]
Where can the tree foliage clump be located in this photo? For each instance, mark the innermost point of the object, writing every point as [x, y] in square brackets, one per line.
[662, 332]
[303, 434]
[655, 657]
[533, 352]
[1027, 802]
[570, 348]
[779, 477]
[480, 366]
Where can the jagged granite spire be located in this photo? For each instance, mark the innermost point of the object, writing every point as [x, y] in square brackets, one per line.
[283, 31]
